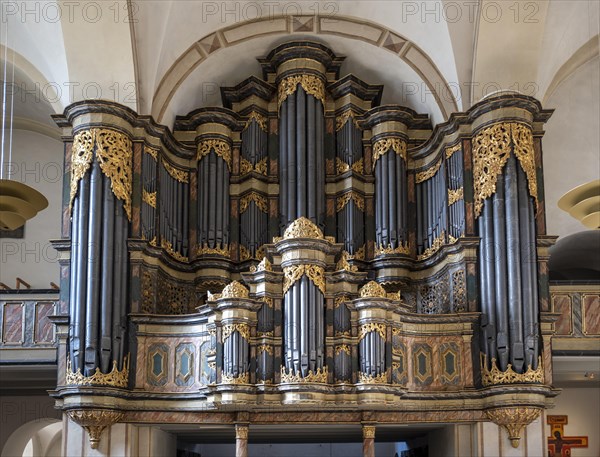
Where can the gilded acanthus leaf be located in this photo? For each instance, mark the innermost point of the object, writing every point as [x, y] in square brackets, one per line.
[234, 290]
[302, 228]
[311, 84]
[455, 195]
[343, 118]
[221, 148]
[176, 173]
[314, 272]
[81, 159]
[382, 146]
[259, 200]
[372, 290]
[429, 173]
[342, 201]
[258, 118]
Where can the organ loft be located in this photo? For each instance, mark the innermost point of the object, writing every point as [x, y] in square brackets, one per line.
[304, 255]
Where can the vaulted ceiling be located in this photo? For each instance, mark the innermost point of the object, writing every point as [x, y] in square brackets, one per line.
[165, 58]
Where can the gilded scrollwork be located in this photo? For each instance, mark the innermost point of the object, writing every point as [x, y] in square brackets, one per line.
[243, 378]
[372, 290]
[314, 272]
[167, 246]
[341, 166]
[94, 421]
[369, 327]
[523, 148]
[381, 147]
[494, 376]
[235, 290]
[259, 200]
[343, 118]
[311, 84]
[222, 251]
[435, 247]
[403, 249]
[343, 348]
[342, 201]
[81, 158]
[246, 167]
[258, 118]
[514, 420]
[320, 375]
[364, 378]
[264, 348]
[343, 263]
[264, 265]
[455, 195]
[242, 329]
[429, 173]
[221, 148]
[115, 378]
[452, 149]
[152, 152]
[302, 228]
[176, 173]
[339, 300]
[149, 198]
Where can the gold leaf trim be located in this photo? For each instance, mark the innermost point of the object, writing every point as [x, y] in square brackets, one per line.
[221, 251]
[514, 420]
[235, 290]
[343, 118]
[94, 421]
[149, 198]
[382, 146]
[242, 329]
[493, 376]
[343, 263]
[259, 200]
[265, 348]
[302, 228]
[455, 195]
[435, 247]
[176, 173]
[342, 348]
[221, 148]
[342, 201]
[339, 300]
[243, 378]
[360, 253]
[114, 378]
[244, 253]
[403, 248]
[82, 154]
[152, 152]
[429, 173]
[364, 378]
[368, 430]
[369, 327]
[260, 167]
[259, 118]
[523, 148]
[372, 289]
[318, 376]
[264, 265]
[341, 166]
[268, 301]
[452, 149]
[311, 84]
[167, 246]
[314, 272]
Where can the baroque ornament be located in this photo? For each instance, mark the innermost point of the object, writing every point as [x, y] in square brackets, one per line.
[259, 200]
[358, 200]
[491, 149]
[369, 327]
[176, 173]
[149, 198]
[318, 376]
[258, 118]
[264, 265]
[114, 378]
[167, 246]
[368, 430]
[247, 167]
[314, 272]
[493, 376]
[455, 195]
[403, 249]
[435, 247]
[94, 421]
[343, 118]
[429, 173]
[302, 228]
[114, 153]
[243, 378]
[221, 148]
[364, 378]
[382, 146]
[242, 329]
[452, 149]
[513, 419]
[372, 290]
[221, 251]
[235, 290]
[343, 263]
[311, 84]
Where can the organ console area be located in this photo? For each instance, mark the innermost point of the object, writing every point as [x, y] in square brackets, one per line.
[306, 247]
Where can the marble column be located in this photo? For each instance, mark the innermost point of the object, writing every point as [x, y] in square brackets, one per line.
[241, 440]
[368, 441]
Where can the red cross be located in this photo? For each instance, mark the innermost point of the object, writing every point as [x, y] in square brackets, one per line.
[558, 444]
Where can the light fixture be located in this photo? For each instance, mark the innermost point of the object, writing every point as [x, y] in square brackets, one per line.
[590, 375]
[18, 202]
[583, 203]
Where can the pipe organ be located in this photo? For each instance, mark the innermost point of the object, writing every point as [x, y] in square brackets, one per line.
[305, 242]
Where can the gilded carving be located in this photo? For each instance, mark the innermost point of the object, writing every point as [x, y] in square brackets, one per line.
[242, 329]
[149, 198]
[455, 195]
[343, 263]
[264, 265]
[205, 250]
[339, 300]
[382, 146]
[314, 272]
[452, 149]
[360, 253]
[318, 376]
[364, 378]
[429, 173]
[94, 421]
[372, 290]
[264, 348]
[259, 200]
[302, 228]
[176, 173]
[493, 376]
[514, 420]
[311, 84]
[114, 378]
[221, 148]
[241, 432]
[81, 158]
[258, 118]
[152, 152]
[235, 290]
[369, 327]
[435, 247]
[167, 246]
[244, 253]
[358, 200]
[243, 378]
[523, 148]
[341, 166]
[247, 167]
[403, 248]
[343, 118]
[368, 430]
[342, 348]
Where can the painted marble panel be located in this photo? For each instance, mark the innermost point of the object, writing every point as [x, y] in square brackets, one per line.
[591, 314]
[44, 329]
[12, 323]
[562, 304]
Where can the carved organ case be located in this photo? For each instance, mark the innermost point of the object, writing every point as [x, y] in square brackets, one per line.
[306, 241]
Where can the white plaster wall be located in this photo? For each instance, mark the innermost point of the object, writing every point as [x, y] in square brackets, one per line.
[37, 161]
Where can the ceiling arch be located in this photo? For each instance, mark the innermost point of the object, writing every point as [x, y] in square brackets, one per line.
[442, 95]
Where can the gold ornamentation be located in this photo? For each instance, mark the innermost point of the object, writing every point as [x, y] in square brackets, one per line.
[364, 378]
[264, 265]
[264, 334]
[176, 173]
[268, 301]
[344, 334]
[452, 149]
[259, 118]
[429, 173]
[369, 327]
[311, 84]
[403, 248]
[451, 239]
[149, 198]
[339, 300]
[81, 158]
[358, 167]
[114, 153]
[342, 348]
[343, 264]
[435, 247]
[94, 421]
[205, 250]
[302, 228]
[491, 149]
[167, 246]
[341, 120]
[153, 242]
[493, 376]
[396, 296]
[242, 329]
[244, 253]
[358, 200]
[372, 289]
[265, 348]
[513, 420]
[455, 195]
[152, 152]
[368, 430]
[318, 376]
[212, 297]
[314, 272]
[115, 378]
[260, 167]
[360, 253]
[341, 166]
[259, 200]
[243, 378]
[235, 290]
[382, 146]
[241, 432]
[245, 167]
[221, 148]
